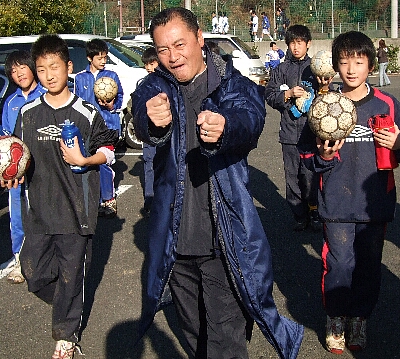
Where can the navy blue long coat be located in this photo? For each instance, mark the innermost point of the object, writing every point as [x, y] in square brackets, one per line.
[240, 231]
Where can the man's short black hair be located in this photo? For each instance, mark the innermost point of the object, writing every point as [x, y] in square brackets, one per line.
[95, 47]
[149, 55]
[352, 43]
[297, 32]
[165, 16]
[17, 58]
[50, 44]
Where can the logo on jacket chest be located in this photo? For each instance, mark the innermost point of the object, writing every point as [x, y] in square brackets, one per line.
[360, 134]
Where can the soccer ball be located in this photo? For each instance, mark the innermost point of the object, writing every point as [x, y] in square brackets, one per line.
[332, 116]
[105, 89]
[14, 158]
[321, 64]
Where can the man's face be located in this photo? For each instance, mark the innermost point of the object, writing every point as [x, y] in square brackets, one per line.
[179, 49]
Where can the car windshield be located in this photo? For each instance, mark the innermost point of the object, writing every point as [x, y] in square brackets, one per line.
[246, 48]
[124, 54]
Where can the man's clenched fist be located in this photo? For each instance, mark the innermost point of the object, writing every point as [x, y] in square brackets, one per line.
[159, 110]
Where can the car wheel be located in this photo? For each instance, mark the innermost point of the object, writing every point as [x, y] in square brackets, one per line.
[130, 136]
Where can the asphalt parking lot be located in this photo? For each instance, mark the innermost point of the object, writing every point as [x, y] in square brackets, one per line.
[115, 281]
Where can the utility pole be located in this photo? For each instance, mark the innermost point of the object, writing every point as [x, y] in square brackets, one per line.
[105, 17]
[142, 15]
[394, 20]
[120, 17]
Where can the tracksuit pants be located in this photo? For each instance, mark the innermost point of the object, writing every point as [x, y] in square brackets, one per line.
[211, 316]
[54, 268]
[351, 258]
[16, 229]
[301, 183]
[107, 190]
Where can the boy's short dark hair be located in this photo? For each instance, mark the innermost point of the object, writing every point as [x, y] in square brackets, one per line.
[297, 32]
[165, 16]
[149, 55]
[19, 58]
[50, 44]
[272, 43]
[95, 47]
[352, 43]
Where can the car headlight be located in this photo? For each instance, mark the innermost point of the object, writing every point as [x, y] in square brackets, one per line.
[259, 71]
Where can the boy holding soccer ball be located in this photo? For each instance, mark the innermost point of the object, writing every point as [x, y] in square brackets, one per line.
[19, 69]
[96, 52]
[60, 207]
[357, 196]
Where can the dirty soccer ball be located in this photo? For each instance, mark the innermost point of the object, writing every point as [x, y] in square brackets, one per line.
[321, 64]
[332, 116]
[14, 158]
[105, 89]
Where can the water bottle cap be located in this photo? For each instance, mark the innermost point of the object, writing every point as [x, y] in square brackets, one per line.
[66, 122]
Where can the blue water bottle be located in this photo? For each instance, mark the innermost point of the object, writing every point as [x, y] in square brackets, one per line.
[69, 131]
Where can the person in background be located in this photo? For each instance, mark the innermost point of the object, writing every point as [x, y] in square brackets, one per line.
[265, 27]
[220, 23]
[291, 80]
[383, 61]
[274, 56]
[96, 52]
[357, 198]
[19, 69]
[214, 23]
[226, 23]
[205, 236]
[253, 23]
[280, 25]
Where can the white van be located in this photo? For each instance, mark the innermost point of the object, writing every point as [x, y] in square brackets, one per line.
[245, 59]
[126, 63]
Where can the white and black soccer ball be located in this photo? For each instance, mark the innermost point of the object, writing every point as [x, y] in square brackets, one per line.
[14, 158]
[332, 116]
[321, 64]
[105, 89]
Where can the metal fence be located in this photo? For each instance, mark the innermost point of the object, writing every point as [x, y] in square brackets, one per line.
[325, 19]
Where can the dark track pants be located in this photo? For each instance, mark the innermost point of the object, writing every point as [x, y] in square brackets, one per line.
[210, 315]
[351, 257]
[301, 183]
[54, 266]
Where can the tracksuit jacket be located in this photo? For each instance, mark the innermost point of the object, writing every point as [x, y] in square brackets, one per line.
[240, 231]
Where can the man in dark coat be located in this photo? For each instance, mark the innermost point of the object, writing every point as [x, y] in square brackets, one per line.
[206, 240]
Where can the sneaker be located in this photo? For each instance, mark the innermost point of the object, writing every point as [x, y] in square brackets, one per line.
[7, 267]
[64, 350]
[15, 276]
[110, 208]
[335, 341]
[357, 339]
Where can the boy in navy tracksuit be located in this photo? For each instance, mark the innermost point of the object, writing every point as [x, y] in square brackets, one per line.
[96, 51]
[20, 69]
[355, 199]
[291, 80]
